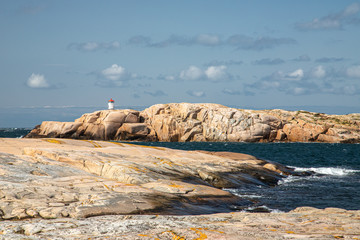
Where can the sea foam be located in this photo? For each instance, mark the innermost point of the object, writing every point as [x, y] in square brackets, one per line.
[335, 171]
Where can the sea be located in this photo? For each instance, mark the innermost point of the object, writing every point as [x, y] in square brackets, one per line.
[335, 181]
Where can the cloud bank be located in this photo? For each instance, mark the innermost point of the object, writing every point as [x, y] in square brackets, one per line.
[94, 46]
[335, 21]
[317, 80]
[238, 41]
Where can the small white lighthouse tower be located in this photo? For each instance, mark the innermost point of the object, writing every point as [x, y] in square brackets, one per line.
[111, 104]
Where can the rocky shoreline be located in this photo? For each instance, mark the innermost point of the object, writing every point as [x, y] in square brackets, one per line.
[80, 189]
[182, 122]
[301, 223]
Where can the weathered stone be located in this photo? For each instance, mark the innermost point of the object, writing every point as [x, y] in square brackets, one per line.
[302, 223]
[52, 178]
[208, 122]
[86, 193]
[133, 131]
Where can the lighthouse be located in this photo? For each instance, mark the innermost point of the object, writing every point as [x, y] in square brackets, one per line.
[111, 104]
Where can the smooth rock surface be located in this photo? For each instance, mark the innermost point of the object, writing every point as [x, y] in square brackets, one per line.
[82, 189]
[206, 122]
[302, 223]
[51, 178]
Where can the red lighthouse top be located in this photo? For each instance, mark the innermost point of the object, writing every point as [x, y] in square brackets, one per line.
[111, 100]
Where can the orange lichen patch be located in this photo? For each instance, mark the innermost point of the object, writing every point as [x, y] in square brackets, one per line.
[176, 185]
[143, 235]
[174, 235]
[310, 221]
[163, 161]
[117, 143]
[95, 144]
[50, 140]
[144, 146]
[287, 223]
[201, 234]
[273, 230]
[137, 169]
[107, 187]
[290, 232]
[337, 228]
[339, 237]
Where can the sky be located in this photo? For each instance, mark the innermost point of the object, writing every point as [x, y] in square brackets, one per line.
[59, 59]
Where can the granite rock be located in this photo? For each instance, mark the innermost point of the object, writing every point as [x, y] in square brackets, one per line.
[183, 122]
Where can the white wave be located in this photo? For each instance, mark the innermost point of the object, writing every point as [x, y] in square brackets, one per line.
[289, 179]
[335, 171]
[262, 208]
[236, 192]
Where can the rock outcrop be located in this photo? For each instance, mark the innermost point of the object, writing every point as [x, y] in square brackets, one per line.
[72, 189]
[52, 178]
[206, 122]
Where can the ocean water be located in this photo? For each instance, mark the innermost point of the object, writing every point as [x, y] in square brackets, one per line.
[13, 132]
[336, 182]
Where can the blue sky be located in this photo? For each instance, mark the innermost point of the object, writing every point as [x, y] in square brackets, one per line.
[58, 58]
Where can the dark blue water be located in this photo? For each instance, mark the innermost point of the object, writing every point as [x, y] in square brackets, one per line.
[13, 132]
[337, 183]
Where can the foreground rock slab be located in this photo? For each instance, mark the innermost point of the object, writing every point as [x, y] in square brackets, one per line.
[302, 223]
[72, 189]
[51, 178]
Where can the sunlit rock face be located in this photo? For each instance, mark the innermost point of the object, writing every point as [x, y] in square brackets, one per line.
[183, 122]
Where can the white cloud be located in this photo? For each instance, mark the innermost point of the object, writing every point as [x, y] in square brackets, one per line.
[211, 73]
[196, 93]
[302, 58]
[216, 73]
[268, 61]
[350, 90]
[353, 71]
[313, 81]
[115, 76]
[37, 81]
[257, 44]
[318, 72]
[212, 40]
[231, 91]
[299, 91]
[169, 78]
[90, 46]
[332, 21]
[114, 72]
[192, 73]
[94, 46]
[296, 75]
[157, 93]
[207, 39]
[351, 10]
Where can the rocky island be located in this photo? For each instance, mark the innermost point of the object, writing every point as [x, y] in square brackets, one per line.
[85, 189]
[182, 122]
